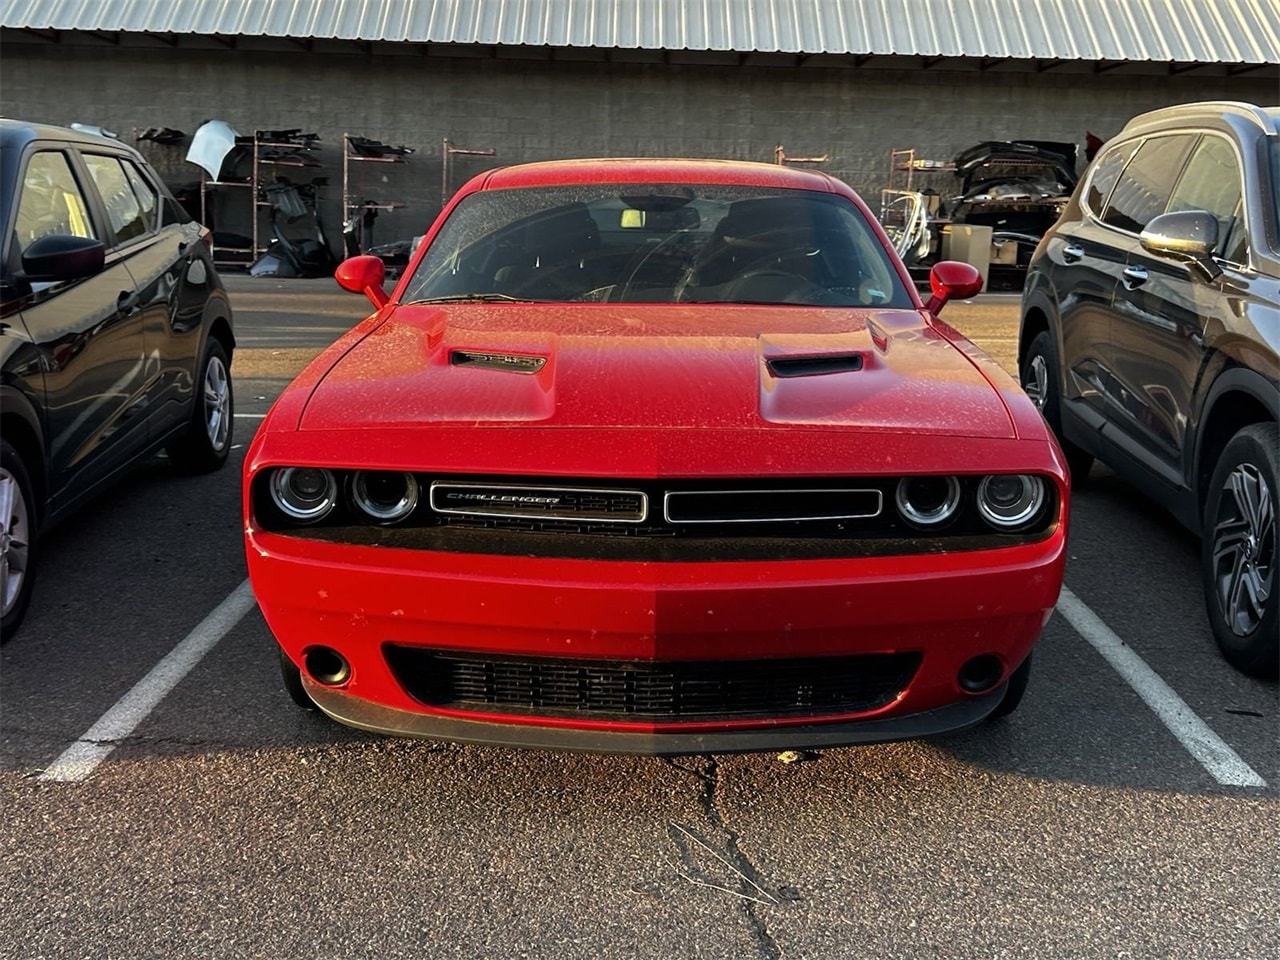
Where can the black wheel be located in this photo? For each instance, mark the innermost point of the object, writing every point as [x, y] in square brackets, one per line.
[1040, 376]
[17, 539]
[292, 678]
[1240, 552]
[1014, 692]
[205, 443]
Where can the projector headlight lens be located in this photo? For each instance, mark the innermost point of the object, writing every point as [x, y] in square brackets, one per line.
[927, 501]
[1010, 501]
[384, 496]
[304, 494]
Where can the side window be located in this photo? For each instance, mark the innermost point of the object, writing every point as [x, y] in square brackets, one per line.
[51, 201]
[1211, 182]
[1143, 189]
[148, 198]
[1104, 176]
[123, 209]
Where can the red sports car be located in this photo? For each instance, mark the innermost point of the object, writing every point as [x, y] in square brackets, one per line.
[655, 456]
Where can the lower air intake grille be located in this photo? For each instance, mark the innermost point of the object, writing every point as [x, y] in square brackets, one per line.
[652, 692]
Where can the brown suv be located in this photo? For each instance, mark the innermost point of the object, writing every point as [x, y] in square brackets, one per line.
[1150, 338]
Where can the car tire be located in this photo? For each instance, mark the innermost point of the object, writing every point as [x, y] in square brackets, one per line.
[17, 539]
[292, 678]
[1040, 376]
[1240, 555]
[204, 445]
[1014, 692]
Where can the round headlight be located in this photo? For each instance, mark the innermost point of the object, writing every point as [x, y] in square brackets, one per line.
[1009, 501]
[928, 501]
[305, 494]
[384, 496]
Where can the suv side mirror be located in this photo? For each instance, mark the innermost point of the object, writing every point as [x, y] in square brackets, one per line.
[60, 256]
[1187, 235]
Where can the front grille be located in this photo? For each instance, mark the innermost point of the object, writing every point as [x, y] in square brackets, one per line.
[659, 521]
[771, 506]
[642, 691]
[528, 502]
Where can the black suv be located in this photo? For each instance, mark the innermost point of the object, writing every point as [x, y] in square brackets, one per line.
[115, 334]
[1149, 339]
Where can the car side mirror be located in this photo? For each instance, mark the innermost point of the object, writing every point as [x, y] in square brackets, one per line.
[60, 256]
[364, 274]
[1186, 235]
[952, 280]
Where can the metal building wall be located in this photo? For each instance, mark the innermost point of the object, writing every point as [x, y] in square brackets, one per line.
[533, 109]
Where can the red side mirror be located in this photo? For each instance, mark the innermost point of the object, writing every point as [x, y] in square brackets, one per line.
[364, 274]
[952, 280]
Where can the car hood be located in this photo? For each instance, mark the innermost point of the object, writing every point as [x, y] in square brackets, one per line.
[1028, 159]
[666, 366]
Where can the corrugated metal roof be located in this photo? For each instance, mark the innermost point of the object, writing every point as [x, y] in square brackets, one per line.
[1187, 31]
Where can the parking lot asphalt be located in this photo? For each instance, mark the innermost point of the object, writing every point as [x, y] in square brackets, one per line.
[1117, 813]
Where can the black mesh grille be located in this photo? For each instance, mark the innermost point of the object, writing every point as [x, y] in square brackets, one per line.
[652, 692]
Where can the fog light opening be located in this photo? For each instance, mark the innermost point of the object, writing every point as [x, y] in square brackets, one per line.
[981, 673]
[326, 666]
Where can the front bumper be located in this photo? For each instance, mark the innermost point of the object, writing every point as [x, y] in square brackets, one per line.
[947, 607]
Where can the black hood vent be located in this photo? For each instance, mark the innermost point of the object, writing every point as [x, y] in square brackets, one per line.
[510, 362]
[783, 367]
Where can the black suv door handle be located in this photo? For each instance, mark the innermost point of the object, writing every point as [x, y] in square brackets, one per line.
[1072, 252]
[1135, 276]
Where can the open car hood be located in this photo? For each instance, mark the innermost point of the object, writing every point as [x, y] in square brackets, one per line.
[1017, 159]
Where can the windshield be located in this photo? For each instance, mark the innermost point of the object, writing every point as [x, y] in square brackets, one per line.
[658, 243]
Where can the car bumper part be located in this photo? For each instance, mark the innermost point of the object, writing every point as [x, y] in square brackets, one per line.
[943, 610]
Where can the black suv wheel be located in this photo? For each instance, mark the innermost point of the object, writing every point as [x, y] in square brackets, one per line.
[1241, 554]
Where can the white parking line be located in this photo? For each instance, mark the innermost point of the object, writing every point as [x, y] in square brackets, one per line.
[248, 416]
[80, 759]
[1223, 763]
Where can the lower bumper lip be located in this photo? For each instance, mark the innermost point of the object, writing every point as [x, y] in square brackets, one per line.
[378, 718]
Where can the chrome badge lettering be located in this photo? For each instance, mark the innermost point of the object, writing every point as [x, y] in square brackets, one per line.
[501, 498]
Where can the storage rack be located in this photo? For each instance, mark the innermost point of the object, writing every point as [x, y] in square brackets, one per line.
[352, 204]
[290, 153]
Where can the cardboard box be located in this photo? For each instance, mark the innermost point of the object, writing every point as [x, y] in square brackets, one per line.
[969, 244]
[1004, 252]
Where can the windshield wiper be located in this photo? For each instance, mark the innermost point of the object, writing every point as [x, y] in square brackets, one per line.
[476, 298]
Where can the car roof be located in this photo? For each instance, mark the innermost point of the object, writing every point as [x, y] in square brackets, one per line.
[1224, 114]
[16, 134]
[652, 170]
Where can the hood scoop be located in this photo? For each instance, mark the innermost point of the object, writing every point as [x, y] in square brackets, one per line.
[488, 360]
[814, 366]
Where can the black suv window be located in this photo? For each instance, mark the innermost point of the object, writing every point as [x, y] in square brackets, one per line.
[124, 210]
[51, 201]
[1143, 189]
[1104, 177]
[1211, 182]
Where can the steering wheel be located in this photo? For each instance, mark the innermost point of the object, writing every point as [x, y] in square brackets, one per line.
[774, 285]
